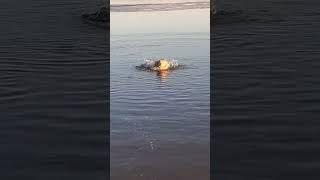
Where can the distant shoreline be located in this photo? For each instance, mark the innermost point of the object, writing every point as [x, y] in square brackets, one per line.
[101, 18]
[159, 6]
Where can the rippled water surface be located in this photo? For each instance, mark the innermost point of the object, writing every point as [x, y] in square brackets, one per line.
[53, 84]
[266, 73]
[160, 121]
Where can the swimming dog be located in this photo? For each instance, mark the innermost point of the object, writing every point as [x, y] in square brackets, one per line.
[161, 65]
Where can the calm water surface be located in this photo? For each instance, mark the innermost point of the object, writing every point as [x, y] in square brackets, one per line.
[266, 73]
[53, 91]
[160, 122]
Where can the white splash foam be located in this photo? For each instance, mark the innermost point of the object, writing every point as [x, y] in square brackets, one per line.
[149, 64]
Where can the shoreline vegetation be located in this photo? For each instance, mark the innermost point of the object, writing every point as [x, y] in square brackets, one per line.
[101, 17]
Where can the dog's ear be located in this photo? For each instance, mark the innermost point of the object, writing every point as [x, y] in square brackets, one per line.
[157, 63]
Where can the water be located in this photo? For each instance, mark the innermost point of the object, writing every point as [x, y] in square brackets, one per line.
[53, 87]
[160, 121]
[266, 74]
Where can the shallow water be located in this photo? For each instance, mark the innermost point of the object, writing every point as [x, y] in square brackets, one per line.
[266, 90]
[53, 84]
[154, 117]
[160, 121]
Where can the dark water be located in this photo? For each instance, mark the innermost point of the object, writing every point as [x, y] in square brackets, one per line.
[266, 96]
[53, 91]
[160, 121]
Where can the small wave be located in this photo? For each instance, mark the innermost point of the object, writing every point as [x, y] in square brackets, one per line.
[150, 65]
[100, 18]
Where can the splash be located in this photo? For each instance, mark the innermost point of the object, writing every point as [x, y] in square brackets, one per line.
[161, 64]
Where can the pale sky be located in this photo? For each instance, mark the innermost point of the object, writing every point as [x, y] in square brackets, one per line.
[191, 20]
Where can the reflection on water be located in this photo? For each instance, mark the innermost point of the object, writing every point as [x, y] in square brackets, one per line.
[162, 74]
[160, 118]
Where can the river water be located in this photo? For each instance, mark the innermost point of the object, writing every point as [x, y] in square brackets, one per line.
[53, 91]
[160, 121]
[266, 90]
